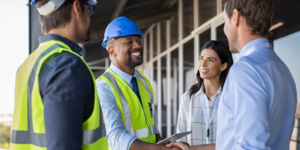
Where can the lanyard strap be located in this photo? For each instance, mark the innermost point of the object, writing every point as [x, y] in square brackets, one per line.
[257, 47]
[209, 120]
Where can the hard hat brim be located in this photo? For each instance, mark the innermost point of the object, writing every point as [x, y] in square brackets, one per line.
[91, 2]
[33, 3]
[104, 43]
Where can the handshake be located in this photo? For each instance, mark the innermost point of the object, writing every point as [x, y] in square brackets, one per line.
[179, 145]
[186, 146]
[183, 145]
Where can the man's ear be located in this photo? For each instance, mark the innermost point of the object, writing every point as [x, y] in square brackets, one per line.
[236, 16]
[111, 51]
[76, 9]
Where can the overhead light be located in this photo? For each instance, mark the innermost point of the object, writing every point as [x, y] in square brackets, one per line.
[277, 25]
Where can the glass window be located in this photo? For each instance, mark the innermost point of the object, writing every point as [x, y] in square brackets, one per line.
[287, 48]
[207, 10]
[163, 38]
[148, 46]
[175, 97]
[188, 65]
[222, 37]
[164, 95]
[154, 83]
[174, 26]
[204, 37]
[188, 17]
[154, 41]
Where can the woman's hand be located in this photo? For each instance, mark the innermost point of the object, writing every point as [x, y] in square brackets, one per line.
[183, 146]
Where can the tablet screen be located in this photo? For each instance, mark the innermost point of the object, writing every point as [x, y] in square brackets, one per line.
[174, 137]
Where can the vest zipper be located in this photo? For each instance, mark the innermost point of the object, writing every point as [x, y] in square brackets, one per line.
[149, 134]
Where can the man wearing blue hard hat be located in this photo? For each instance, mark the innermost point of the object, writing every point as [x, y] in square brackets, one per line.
[56, 102]
[126, 95]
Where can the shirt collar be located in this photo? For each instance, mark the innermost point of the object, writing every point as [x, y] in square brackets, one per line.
[251, 44]
[125, 76]
[73, 46]
[201, 91]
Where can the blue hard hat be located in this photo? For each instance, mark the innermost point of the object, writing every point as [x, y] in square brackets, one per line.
[121, 26]
[91, 2]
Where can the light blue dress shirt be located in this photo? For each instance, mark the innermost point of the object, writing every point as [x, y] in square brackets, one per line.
[258, 102]
[117, 136]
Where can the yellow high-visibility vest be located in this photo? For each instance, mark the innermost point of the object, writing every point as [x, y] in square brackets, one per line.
[138, 118]
[28, 129]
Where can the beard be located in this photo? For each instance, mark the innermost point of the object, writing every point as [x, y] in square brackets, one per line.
[130, 63]
[233, 44]
[84, 38]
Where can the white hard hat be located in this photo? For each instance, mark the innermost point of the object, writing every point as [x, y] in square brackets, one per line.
[53, 5]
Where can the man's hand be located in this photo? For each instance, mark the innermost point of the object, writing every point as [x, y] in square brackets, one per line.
[183, 146]
[138, 145]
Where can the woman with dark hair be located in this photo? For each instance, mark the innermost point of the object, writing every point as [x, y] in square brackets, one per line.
[198, 107]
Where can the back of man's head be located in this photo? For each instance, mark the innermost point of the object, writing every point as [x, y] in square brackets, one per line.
[58, 18]
[257, 13]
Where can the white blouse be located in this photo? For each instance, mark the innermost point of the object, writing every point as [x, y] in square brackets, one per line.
[194, 120]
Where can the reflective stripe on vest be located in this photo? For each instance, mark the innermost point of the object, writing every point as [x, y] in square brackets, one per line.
[39, 139]
[146, 85]
[91, 136]
[140, 133]
[29, 137]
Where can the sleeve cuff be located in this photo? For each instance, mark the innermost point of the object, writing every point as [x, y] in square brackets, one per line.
[130, 142]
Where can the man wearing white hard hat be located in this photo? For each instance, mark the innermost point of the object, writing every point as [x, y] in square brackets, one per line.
[126, 95]
[56, 102]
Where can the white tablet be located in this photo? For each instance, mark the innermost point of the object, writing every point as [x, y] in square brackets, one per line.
[174, 137]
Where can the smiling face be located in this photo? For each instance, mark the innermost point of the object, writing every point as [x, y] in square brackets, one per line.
[127, 51]
[210, 65]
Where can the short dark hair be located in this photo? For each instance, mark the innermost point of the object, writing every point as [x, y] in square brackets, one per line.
[225, 56]
[59, 17]
[258, 14]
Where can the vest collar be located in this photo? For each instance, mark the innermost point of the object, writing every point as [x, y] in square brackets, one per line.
[74, 47]
[126, 77]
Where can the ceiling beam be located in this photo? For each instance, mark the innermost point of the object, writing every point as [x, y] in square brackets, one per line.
[166, 3]
[96, 61]
[172, 3]
[140, 4]
[154, 18]
[97, 33]
[118, 9]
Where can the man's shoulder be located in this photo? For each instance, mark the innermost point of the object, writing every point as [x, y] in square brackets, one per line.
[253, 62]
[262, 61]
[63, 58]
[102, 84]
[262, 56]
[243, 64]
[101, 81]
[66, 64]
